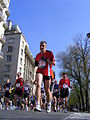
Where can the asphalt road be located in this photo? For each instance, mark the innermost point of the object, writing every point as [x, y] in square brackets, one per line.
[31, 115]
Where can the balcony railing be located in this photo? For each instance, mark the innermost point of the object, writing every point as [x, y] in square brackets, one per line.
[1, 8]
[5, 25]
[5, 3]
[1, 55]
[7, 12]
[2, 39]
[2, 16]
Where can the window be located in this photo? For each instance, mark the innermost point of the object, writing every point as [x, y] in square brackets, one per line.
[9, 58]
[21, 61]
[10, 49]
[22, 44]
[6, 77]
[7, 68]
[20, 70]
[30, 73]
[22, 52]
[11, 41]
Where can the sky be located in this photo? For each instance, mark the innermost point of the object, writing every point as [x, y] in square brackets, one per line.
[56, 21]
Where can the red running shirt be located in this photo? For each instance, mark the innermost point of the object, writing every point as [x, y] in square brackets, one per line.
[43, 66]
[19, 84]
[64, 83]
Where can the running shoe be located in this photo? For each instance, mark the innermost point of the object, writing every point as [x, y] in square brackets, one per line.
[38, 108]
[26, 108]
[65, 110]
[55, 110]
[48, 108]
[11, 108]
[7, 108]
[16, 108]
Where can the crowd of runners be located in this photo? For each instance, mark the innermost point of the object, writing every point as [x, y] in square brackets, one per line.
[50, 96]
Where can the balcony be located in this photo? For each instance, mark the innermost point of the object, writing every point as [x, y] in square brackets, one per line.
[5, 25]
[1, 55]
[7, 12]
[5, 3]
[2, 39]
[3, 17]
[1, 8]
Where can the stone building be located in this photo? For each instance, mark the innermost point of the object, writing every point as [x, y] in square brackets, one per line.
[4, 14]
[16, 56]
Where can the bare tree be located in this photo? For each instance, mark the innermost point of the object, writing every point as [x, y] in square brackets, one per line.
[83, 46]
[76, 62]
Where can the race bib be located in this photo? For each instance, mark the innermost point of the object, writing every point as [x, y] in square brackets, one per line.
[17, 85]
[42, 63]
[26, 88]
[65, 86]
[7, 88]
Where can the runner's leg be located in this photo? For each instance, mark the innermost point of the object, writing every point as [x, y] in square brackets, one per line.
[39, 78]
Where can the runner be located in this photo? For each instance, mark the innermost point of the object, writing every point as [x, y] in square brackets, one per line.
[52, 82]
[26, 94]
[44, 60]
[64, 83]
[7, 87]
[56, 96]
[19, 89]
[43, 97]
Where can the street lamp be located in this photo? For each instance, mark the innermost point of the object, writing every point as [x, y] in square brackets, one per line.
[88, 35]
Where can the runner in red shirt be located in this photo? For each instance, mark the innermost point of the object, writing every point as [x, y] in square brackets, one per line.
[19, 89]
[44, 60]
[64, 84]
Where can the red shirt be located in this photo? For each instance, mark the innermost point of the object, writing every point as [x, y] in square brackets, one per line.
[64, 83]
[19, 84]
[43, 66]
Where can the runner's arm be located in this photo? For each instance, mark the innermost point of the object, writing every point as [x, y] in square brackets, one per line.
[51, 62]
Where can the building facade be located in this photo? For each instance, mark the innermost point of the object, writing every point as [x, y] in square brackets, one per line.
[16, 56]
[4, 14]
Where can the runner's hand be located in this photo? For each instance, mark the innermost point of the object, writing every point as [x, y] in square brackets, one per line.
[43, 58]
